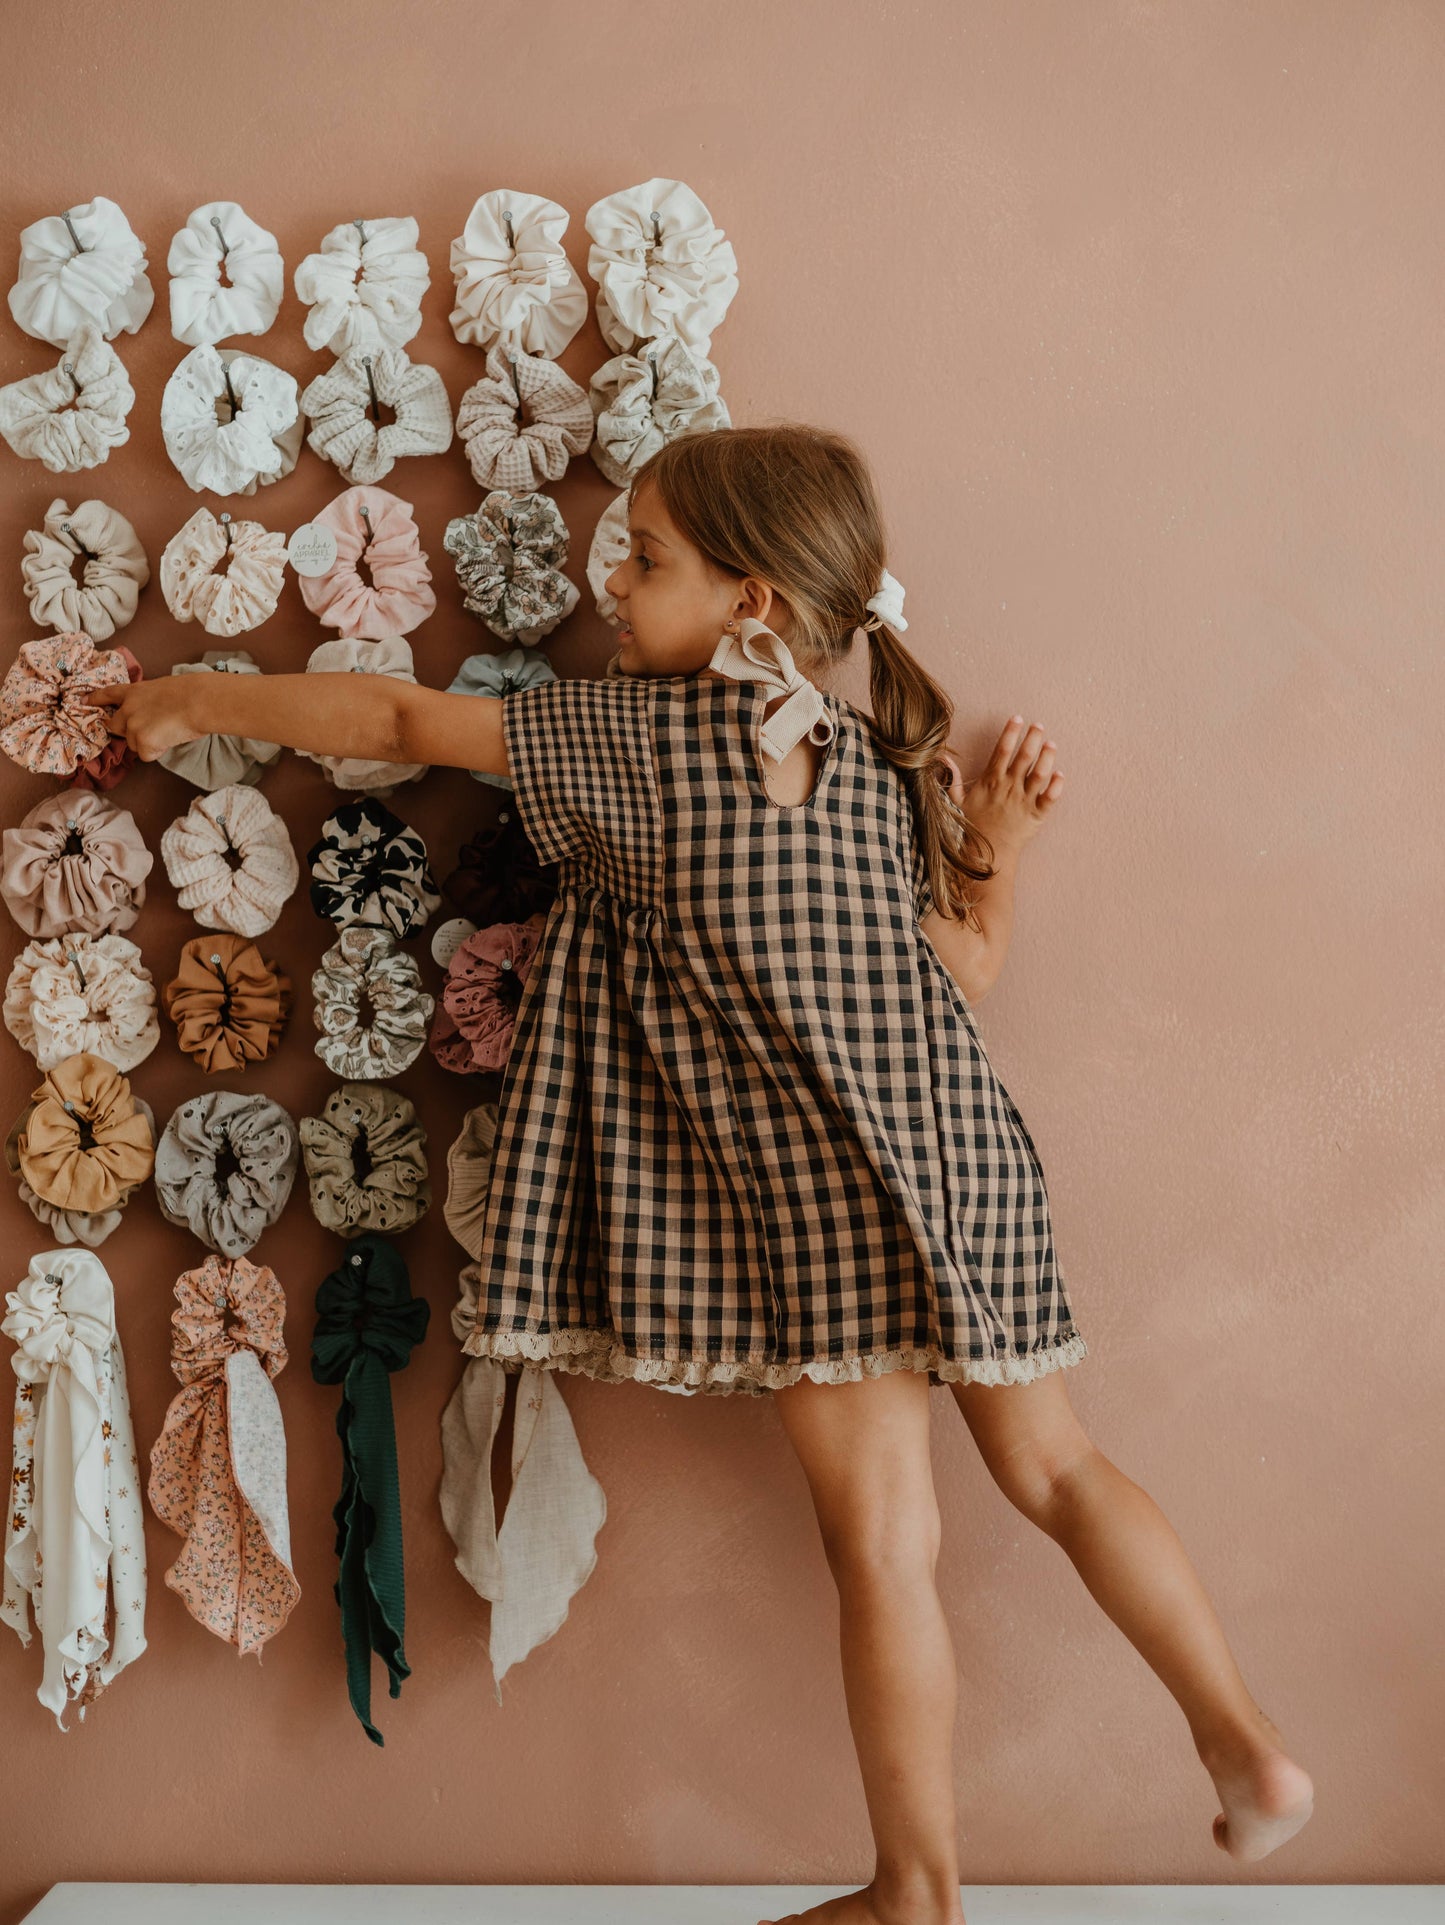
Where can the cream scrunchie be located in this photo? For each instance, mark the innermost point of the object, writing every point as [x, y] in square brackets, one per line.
[84, 265]
[246, 900]
[76, 864]
[509, 557]
[115, 571]
[364, 287]
[390, 655]
[611, 545]
[344, 431]
[221, 235]
[73, 995]
[513, 278]
[504, 454]
[73, 415]
[469, 1179]
[227, 1211]
[647, 398]
[377, 526]
[365, 966]
[366, 1165]
[232, 603]
[660, 265]
[218, 761]
[231, 450]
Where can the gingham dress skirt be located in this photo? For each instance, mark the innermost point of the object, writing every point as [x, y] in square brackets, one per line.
[747, 1130]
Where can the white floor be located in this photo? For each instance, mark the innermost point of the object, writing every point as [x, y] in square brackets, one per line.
[725, 1904]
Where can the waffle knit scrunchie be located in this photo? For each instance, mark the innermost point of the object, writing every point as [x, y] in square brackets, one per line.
[503, 454]
[248, 899]
[250, 440]
[343, 406]
[218, 761]
[364, 287]
[646, 399]
[228, 1003]
[86, 265]
[513, 278]
[83, 1146]
[115, 569]
[73, 995]
[76, 864]
[372, 524]
[222, 238]
[218, 1468]
[366, 1161]
[224, 1167]
[73, 415]
[370, 867]
[75, 1539]
[389, 656]
[226, 604]
[364, 967]
[485, 981]
[469, 1178]
[367, 1325]
[660, 265]
[46, 725]
[496, 676]
[509, 558]
[498, 877]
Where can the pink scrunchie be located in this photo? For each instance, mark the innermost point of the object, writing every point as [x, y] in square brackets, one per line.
[477, 1013]
[45, 724]
[75, 865]
[117, 758]
[399, 597]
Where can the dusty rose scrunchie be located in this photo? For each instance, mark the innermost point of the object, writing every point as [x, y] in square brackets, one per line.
[228, 1003]
[248, 899]
[115, 569]
[85, 1143]
[72, 995]
[485, 982]
[399, 596]
[505, 454]
[224, 1167]
[366, 1161]
[230, 603]
[71, 416]
[46, 725]
[469, 1178]
[75, 863]
[369, 1004]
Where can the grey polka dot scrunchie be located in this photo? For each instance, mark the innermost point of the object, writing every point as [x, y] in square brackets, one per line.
[366, 1161]
[509, 557]
[225, 1165]
[365, 969]
[369, 867]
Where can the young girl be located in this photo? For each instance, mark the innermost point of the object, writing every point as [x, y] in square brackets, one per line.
[749, 1138]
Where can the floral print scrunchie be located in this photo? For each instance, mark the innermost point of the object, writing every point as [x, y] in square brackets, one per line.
[46, 724]
[70, 995]
[364, 968]
[509, 557]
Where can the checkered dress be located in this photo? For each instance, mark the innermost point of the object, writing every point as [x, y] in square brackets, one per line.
[747, 1131]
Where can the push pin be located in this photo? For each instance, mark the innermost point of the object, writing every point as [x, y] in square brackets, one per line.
[230, 391]
[366, 517]
[71, 372]
[375, 404]
[220, 236]
[80, 246]
[226, 524]
[360, 227]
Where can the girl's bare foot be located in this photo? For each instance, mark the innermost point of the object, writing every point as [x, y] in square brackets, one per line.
[870, 1906]
[1266, 1796]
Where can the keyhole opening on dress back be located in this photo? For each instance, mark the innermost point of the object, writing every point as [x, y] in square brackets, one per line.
[793, 782]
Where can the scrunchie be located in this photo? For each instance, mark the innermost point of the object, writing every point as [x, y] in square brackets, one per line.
[342, 406]
[645, 399]
[228, 1003]
[226, 604]
[75, 1536]
[480, 997]
[496, 676]
[224, 1167]
[367, 1325]
[73, 415]
[364, 287]
[76, 864]
[218, 761]
[218, 1468]
[232, 422]
[66, 1225]
[83, 1146]
[112, 763]
[376, 525]
[469, 1178]
[73, 995]
[222, 237]
[45, 724]
[389, 656]
[86, 265]
[513, 278]
[503, 454]
[498, 877]
[509, 558]
[248, 899]
[611, 545]
[370, 867]
[365, 967]
[115, 570]
[660, 265]
[365, 1159]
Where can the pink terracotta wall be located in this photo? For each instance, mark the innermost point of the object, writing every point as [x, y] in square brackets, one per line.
[1136, 307]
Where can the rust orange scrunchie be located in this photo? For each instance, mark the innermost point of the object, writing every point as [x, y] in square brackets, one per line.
[228, 1003]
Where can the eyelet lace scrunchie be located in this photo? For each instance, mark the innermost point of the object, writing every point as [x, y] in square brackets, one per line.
[218, 761]
[74, 995]
[389, 656]
[369, 1005]
[660, 265]
[513, 278]
[224, 1168]
[71, 416]
[218, 1468]
[221, 237]
[366, 1161]
[645, 399]
[504, 454]
[496, 676]
[86, 265]
[509, 557]
[364, 287]
[246, 900]
[370, 867]
[367, 1325]
[115, 569]
[498, 877]
[485, 982]
[226, 604]
[372, 524]
[46, 725]
[228, 1003]
[76, 864]
[81, 1148]
[232, 422]
[344, 407]
[75, 1536]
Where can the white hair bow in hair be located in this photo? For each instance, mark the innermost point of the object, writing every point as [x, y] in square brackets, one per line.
[887, 602]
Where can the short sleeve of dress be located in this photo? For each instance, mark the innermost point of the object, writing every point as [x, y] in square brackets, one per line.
[580, 758]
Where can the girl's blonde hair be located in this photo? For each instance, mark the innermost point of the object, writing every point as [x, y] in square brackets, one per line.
[797, 507]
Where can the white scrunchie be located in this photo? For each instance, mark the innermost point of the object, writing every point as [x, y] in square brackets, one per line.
[73, 415]
[82, 995]
[233, 603]
[221, 235]
[246, 900]
[364, 287]
[611, 545]
[85, 265]
[391, 655]
[647, 398]
[115, 569]
[343, 429]
[504, 454]
[217, 761]
[660, 265]
[887, 603]
[514, 280]
[231, 454]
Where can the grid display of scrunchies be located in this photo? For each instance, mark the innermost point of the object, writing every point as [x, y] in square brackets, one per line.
[498, 877]
[504, 452]
[229, 1003]
[365, 971]
[371, 867]
[391, 655]
[221, 238]
[660, 264]
[485, 981]
[75, 863]
[513, 278]
[72, 415]
[113, 573]
[363, 288]
[81, 1148]
[469, 1178]
[496, 676]
[46, 725]
[82, 995]
[232, 821]
[365, 1158]
[224, 1167]
[226, 603]
[375, 526]
[509, 557]
[648, 397]
[343, 408]
[219, 761]
[85, 265]
[250, 440]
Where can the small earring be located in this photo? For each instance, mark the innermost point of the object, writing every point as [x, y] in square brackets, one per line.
[729, 624]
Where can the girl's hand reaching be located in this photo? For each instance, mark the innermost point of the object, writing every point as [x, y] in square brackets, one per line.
[1011, 800]
[152, 716]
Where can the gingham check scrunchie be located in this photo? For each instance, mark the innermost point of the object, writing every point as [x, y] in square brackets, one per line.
[365, 968]
[45, 724]
[252, 439]
[514, 281]
[73, 995]
[366, 1161]
[228, 1002]
[374, 525]
[75, 863]
[227, 1208]
[82, 1148]
[660, 265]
[248, 899]
[217, 761]
[364, 287]
[509, 557]
[114, 569]
[340, 408]
[505, 454]
[480, 998]
[86, 265]
[390, 656]
[221, 237]
[370, 867]
[647, 398]
[226, 604]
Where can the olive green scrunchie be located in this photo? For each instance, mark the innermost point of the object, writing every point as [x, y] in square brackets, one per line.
[365, 1159]
[367, 1324]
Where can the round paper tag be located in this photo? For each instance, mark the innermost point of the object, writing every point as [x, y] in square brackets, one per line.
[447, 940]
[312, 549]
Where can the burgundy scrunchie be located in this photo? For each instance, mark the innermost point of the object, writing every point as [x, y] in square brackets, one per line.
[498, 877]
[477, 1014]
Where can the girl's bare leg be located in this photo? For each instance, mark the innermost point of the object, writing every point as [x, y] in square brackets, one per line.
[1127, 1553]
[864, 1449]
